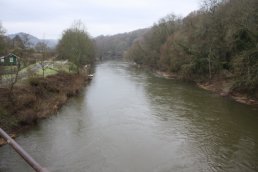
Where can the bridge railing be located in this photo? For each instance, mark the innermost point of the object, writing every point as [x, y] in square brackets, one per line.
[34, 164]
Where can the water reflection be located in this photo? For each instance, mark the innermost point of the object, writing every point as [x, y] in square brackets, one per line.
[218, 131]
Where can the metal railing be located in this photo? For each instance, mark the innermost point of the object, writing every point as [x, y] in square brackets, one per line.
[35, 165]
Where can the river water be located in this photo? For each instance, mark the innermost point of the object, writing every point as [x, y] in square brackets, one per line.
[128, 120]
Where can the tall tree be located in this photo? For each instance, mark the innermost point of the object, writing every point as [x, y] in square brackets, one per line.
[2, 47]
[76, 46]
[2, 40]
[43, 49]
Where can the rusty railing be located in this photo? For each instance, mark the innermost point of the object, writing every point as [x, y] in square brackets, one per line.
[34, 164]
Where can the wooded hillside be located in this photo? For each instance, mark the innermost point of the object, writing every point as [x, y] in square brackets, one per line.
[113, 47]
[219, 40]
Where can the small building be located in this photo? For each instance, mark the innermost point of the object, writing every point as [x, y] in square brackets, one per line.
[9, 60]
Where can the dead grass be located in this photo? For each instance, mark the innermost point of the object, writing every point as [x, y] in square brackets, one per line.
[38, 99]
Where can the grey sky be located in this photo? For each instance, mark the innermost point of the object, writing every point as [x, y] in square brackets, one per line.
[48, 18]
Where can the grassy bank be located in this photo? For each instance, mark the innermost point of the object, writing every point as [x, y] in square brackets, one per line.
[37, 99]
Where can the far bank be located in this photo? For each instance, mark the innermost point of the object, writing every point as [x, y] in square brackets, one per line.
[220, 86]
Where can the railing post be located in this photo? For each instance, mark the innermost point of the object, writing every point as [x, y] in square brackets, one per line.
[36, 166]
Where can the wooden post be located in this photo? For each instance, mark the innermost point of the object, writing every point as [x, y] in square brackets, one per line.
[36, 166]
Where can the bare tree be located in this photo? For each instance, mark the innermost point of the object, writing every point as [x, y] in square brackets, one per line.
[43, 49]
[2, 47]
[1, 72]
[26, 41]
[76, 46]
[12, 78]
[210, 5]
[2, 41]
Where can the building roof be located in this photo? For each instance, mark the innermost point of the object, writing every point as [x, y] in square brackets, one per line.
[10, 54]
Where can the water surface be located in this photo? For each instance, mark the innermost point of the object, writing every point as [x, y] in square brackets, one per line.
[128, 120]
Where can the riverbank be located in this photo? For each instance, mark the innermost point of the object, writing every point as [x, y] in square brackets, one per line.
[220, 86]
[37, 99]
[223, 88]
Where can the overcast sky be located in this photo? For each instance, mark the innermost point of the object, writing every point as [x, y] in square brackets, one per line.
[48, 18]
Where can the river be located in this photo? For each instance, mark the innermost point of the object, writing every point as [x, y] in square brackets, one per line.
[128, 120]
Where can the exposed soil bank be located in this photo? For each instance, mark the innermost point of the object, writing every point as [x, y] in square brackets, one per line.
[220, 86]
[38, 99]
[166, 75]
[223, 89]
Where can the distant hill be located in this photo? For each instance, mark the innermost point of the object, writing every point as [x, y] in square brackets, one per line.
[51, 43]
[114, 46]
[32, 40]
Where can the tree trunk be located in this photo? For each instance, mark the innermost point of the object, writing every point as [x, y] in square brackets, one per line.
[210, 67]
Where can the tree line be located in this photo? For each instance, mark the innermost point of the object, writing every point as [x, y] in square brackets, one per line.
[218, 40]
[114, 46]
[38, 96]
[75, 45]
